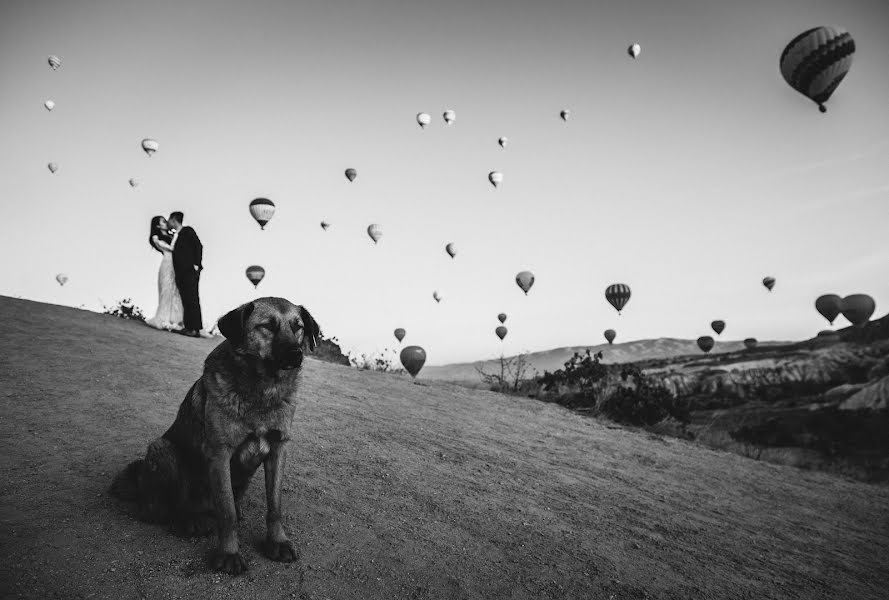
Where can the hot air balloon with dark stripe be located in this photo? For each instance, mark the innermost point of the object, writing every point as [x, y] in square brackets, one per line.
[618, 294]
[829, 306]
[769, 282]
[718, 326]
[816, 61]
[610, 334]
[705, 343]
[255, 274]
[413, 358]
[262, 209]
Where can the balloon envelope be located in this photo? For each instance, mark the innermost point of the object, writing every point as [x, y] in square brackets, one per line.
[815, 62]
[413, 358]
[375, 232]
[750, 343]
[62, 278]
[134, 182]
[503, 141]
[769, 282]
[49, 104]
[449, 116]
[55, 62]
[705, 343]
[495, 177]
[150, 146]
[255, 274]
[525, 280]
[858, 308]
[262, 209]
[451, 249]
[829, 305]
[610, 334]
[565, 114]
[325, 225]
[53, 167]
[501, 332]
[423, 120]
[399, 334]
[437, 296]
[618, 294]
[718, 326]
[634, 50]
[502, 317]
[351, 174]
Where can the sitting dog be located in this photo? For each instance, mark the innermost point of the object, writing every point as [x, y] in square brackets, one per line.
[234, 418]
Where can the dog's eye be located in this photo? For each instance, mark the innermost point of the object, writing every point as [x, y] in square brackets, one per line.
[295, 326]
[269, 326]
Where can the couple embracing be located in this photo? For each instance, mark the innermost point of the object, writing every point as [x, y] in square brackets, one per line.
[178, 305]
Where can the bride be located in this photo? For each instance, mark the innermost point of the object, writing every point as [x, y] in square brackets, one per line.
[169, 304]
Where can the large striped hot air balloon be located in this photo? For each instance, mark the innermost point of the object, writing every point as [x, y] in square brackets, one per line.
[829, 306]
[413, 358]
[618, 294]
[262, 209]
[255, 274]
[816, 61]
[525, 280]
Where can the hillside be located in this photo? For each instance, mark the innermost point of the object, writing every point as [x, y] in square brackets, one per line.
[402, 490]
[550, 360]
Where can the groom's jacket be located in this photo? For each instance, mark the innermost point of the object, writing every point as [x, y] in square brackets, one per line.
[187, 252]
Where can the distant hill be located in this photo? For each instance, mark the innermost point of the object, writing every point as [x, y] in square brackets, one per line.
[550, 360]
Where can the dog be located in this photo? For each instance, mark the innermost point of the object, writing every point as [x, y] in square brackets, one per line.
[236, 417]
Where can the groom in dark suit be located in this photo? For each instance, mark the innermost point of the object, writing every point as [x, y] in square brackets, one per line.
[187, 254]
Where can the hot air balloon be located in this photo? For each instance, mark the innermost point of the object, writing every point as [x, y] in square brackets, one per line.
[262, 209]
[134, 182]
[718, 326]
[750, 343]
[858, 308]
[829, 305]
[413, 358]
[55, 62]
[634, 50]
[375, 232]
[351, 174]
[816, 61]
[503, 141]
[705, 343]
[49, 104]
[501, 332]
[618, 294]
[62, 278]
[150, 146]
[502, 317]
[525, 280]
[255, 274]
[451, 249]
[399, 334]
[495, 177]
[437, 296]
[610, 334]
[769, 282]
[325, 225]
[565, 114]
[423, 119]
[53, 167]
[449, 116]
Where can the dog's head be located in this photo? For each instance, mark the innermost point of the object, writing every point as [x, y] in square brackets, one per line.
[272, 330]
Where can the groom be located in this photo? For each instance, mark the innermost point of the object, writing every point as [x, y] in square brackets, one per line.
[187, 253]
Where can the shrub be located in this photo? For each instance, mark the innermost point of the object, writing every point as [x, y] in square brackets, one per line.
[125, 309]
[383, 362]
[642, 404]
[329, 350]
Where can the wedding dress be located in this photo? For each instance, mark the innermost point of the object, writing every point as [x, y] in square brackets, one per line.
[169, 304]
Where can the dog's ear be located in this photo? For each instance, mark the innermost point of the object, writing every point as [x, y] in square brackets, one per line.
[233, 324]
[311, 331]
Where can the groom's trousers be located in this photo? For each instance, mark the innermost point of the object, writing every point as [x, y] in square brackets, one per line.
[191, 302]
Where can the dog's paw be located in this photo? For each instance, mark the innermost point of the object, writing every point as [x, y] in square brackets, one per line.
[280, 551]
[231, 563]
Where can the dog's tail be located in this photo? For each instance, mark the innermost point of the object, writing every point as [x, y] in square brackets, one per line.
[126, 484]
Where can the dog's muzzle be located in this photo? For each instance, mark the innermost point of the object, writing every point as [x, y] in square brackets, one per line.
[291, 358]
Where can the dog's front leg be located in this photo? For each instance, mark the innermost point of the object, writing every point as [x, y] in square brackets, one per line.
[227, 559]
[278, 546]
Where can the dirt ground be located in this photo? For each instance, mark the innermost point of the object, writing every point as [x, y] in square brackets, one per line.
[402, 490]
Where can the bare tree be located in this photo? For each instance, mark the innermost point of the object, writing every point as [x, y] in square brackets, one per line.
[513, 371]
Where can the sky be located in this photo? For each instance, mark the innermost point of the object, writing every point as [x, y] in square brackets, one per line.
[689, 174]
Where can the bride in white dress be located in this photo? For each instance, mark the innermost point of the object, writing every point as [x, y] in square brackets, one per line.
[169, 304]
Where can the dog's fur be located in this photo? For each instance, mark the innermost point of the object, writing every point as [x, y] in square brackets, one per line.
[234, 418]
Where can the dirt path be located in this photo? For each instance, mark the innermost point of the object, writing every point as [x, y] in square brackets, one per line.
[398, 490]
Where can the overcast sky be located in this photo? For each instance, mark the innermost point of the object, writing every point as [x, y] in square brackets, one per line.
[689, 174]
